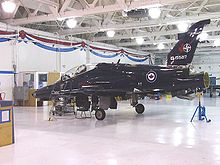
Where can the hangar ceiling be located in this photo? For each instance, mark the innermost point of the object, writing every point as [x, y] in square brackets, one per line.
[128, 18]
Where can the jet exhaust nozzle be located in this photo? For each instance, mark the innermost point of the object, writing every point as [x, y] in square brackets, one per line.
[206, 80]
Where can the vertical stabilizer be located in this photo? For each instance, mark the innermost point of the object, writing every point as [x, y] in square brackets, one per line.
[183, 51]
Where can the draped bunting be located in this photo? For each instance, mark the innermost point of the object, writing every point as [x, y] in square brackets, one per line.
[70, 46]
[135, 59]
[4, 39]
[6, 33]
[52, 48]
[53, 41]
[6, 72]
[117, 54]
[104, 56]
[104, 49]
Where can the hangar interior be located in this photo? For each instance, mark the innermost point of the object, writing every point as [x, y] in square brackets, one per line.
[40, 40]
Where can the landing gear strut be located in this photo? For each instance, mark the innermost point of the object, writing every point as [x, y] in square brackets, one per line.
[100, 114]
[139, 108]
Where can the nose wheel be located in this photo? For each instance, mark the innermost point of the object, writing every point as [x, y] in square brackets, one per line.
[100, 114]
[139, 108]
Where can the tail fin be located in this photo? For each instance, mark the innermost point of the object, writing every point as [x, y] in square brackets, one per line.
[183, 51]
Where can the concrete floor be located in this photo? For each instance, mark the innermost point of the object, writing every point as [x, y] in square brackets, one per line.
[162, 135]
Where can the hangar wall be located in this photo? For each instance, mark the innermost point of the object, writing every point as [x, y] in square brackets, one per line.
[29, 57]
[94, 59]
[210, 64]
[6, 59]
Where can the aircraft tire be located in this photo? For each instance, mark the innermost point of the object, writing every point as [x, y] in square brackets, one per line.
[139, 108]
[100, 114]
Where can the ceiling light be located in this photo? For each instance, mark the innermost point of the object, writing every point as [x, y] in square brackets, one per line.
[111, 33]
[203, 36]
[140, 40]
[8, 6]
[71, 23]
[124, 13]
[154, 12]
[217, 42]
[160, 46]
[182, 26]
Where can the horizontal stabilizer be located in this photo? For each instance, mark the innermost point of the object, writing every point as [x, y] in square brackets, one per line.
[185, 97]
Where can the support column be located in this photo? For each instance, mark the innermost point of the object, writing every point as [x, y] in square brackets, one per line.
[87, 55]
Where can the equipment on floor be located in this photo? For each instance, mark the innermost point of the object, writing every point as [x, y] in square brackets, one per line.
[61, 107]
[6, 123]
[201, 110]
[83, 106]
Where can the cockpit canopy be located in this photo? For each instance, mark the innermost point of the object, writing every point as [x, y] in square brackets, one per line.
[76, 71]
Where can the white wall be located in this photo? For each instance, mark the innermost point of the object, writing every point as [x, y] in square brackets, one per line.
[72, 59]
[32, 58]
[6, 58]
[210, 64]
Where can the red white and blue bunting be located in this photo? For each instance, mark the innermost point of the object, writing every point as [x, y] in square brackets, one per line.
[65, 46]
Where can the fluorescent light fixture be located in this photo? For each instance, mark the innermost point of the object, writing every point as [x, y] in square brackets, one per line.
[182, 26]
[154, 12]
[71, 23]
[217, 42]
[160, 46]
[124, 13]
[111, 33]
[8, 6]
[106, 29]
[139, 40]
[203, 36]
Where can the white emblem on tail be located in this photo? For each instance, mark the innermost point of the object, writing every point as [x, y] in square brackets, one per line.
[187, 48]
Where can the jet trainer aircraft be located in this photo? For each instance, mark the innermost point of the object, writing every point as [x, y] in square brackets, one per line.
[108, 80]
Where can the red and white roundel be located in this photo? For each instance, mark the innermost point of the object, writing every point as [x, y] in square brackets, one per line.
[151, 76]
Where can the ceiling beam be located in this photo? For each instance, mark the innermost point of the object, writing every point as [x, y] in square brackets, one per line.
[150, 34]
[133, 43]
[122, 3]
[64, 6]
[202, 47]
[165, 41]
[142, 24]
[49, 3]
[202, 5]
[94, 3]
[34, 4]
[89, 11]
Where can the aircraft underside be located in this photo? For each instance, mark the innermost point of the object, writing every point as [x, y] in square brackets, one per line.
[102, 101]
[99, 104]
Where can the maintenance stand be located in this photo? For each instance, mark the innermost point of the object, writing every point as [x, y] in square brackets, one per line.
[201, 110]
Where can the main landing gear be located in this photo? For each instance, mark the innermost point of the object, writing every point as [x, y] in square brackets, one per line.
[100, 104]
[100, 114]
[139, 108]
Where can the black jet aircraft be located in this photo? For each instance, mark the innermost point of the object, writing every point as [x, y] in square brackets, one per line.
[98, 87]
